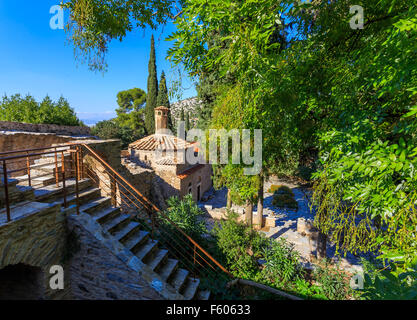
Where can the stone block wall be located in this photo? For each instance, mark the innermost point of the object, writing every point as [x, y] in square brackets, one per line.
[36, 240]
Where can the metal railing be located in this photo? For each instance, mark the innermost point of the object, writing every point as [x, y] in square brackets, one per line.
[180, 245]
[74, 161]
[21, 165]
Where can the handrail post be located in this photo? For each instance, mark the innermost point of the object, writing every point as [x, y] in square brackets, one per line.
[28, 169]
[6, 190]
[56, 169]
[64, 189]
[76, 182]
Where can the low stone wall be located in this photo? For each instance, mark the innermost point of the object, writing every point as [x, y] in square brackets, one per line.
[45, 128]
[14, 140]
[110, 151]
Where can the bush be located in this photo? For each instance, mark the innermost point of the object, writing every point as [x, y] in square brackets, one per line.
[282, 262]
[333, 282]
[283, 197]
[185, 214]
[240, 245]
[388, 283]
[283, 189]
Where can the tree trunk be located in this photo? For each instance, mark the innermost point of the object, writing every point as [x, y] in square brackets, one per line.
[248, 213]
[259, 220]
[321, 246]
[229, 199]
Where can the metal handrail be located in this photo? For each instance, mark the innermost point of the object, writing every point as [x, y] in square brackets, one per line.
[76, 149]
[156, 210]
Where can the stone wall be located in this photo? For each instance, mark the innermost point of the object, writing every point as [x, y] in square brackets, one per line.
[45, 128]
[36, 239]
[13, 141]
[110, 151]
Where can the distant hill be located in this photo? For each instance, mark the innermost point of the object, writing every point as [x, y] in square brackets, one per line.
[191, 105]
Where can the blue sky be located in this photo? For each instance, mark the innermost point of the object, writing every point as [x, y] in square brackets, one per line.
[37, 60]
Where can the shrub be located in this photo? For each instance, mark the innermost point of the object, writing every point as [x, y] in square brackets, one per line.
[333, 282]
[283, 189]
[185, 214]
[388, 283]
[240, 245]
[283, 197]
[282, 262]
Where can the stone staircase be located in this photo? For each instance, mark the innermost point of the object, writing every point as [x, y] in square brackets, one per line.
[117, 225]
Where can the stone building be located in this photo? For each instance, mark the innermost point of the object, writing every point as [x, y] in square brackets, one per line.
[166, 155]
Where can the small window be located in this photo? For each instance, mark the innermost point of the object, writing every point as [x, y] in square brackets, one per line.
[190, 188]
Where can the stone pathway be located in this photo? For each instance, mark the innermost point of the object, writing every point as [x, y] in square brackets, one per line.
[286, 223]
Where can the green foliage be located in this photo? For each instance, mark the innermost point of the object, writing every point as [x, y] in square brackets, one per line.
[131, 100]
[152, 96]
[187, 215]
[277, 188]
[94, 24]
[163, 98]
[240, 245]
[333, 282]
[307, 290]
[187, 122]
[282, 262]
[283, 197]
[393, 282]
[27, 109]
[111, 129]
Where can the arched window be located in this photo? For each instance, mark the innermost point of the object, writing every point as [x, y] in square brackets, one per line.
[190, 188]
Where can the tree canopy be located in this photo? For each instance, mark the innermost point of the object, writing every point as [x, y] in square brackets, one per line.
[27, 109]
[315, 86]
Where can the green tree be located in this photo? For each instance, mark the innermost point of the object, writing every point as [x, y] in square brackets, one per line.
[152, 95]
[131, 100]
[163, 99]
[187, 121]
[28, 110]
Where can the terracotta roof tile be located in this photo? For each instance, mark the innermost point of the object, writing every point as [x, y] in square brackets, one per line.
[160, 142]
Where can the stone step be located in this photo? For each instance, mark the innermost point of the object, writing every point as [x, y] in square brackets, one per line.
[117, 223]
[106, 214]
[168, 269]
[50, 157]
[191, 288]
[179, 279]
[84, 197]
[44, 180]
[147, 249]
[203, 295]
[136, 240]
[124, 233]
[96, 205]
[53, 193]
[157, 260]
[11, 182]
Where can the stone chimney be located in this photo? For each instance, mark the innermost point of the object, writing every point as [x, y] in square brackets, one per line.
[161, 119]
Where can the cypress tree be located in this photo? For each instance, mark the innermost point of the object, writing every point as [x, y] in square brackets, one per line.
[187, 121]
[163, 99]
[152, 94]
